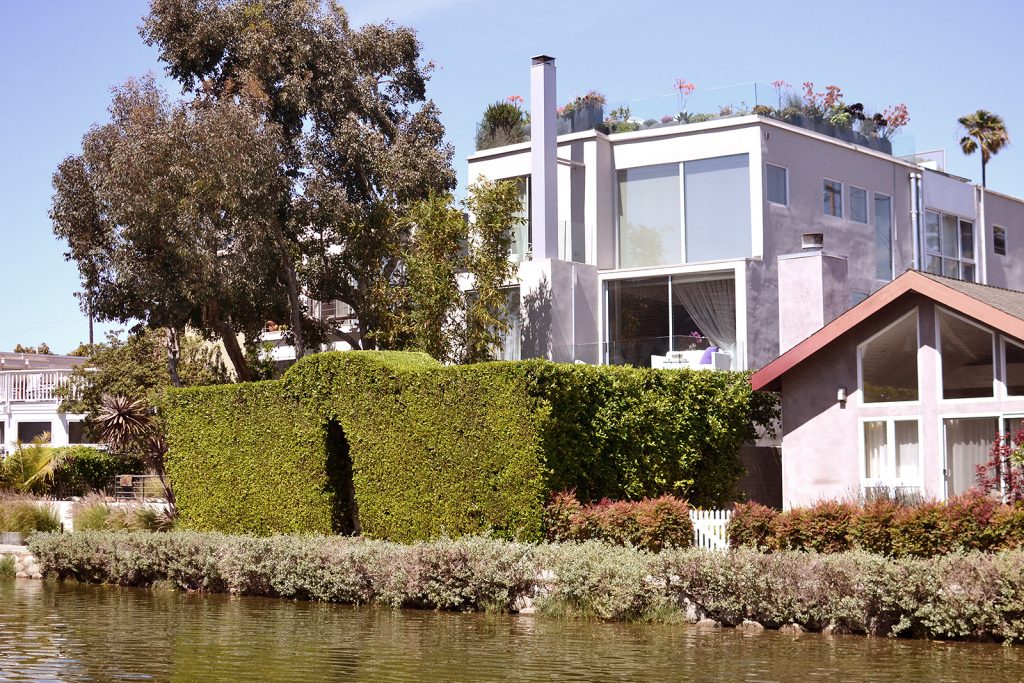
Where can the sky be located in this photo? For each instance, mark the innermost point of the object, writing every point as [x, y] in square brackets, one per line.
[942, 59]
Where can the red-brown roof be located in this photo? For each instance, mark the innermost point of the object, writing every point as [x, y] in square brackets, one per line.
[1001, 309]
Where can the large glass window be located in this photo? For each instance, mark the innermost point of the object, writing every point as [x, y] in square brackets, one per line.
[522, 236]
[858, 205]
[1014, 368]
[888, 363]
[832, 195]
[654, 316]
[650, 222]
[511, 340]
[30, 430]
[968, 446]
[949, 246]
[892, 452]
[883, 237]
[777, 185]
[967, 359]
[717, 193]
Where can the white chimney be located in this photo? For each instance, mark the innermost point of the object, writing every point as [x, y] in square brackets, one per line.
[543, 152]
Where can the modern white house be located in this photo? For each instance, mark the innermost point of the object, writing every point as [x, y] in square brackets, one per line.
[648, 247]
[29, 402]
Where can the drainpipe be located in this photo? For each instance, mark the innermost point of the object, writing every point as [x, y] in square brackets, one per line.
[915, 217]
[981, 243]
[543, 158]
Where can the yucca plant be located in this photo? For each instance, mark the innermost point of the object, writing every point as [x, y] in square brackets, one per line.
[123, 421]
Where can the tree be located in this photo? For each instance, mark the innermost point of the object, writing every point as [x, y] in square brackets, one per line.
[358, 140]
[42, 349]
[168, 213]
[429, 310]
[986, 131]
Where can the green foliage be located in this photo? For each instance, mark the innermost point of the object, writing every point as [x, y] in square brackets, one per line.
[27, 515]
[972, 596]
[246, 459]
[503, 123]
[96, 513]
[436, 450]
[30, 468]
[82, 469]
[7, 570]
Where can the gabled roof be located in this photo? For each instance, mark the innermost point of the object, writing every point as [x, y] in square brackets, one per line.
[1001, 309]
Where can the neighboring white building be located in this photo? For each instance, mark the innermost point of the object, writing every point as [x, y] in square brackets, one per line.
[335, 314]
[29, 402]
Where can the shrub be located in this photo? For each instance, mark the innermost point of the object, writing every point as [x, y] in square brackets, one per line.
[7, 570]
[96, 513]
[872, 525]
[653, 524]
[752, 526]
[27, 515]
[375, 431]
[82, 469]
[961, 596]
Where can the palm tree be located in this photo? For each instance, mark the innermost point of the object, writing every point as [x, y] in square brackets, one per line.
[30, 468]
[986, 130]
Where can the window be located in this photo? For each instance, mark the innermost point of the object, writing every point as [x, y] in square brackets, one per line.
[76, 432]
[892, 453]
[511, 340]
[777, 185]
[30, 430]
[888, 363]
[522, 236]
[883, 237]
[832, 194]
[650, 220]
[1014, 354]
[967, 358]
[949, 246]
[858, 205]
[653, 316]
[968, 445]
[999, 240]
[717, 201]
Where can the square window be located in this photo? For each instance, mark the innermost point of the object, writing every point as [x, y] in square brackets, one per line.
[777, 185]
[832, 197]
[858, 205]
[999, 240]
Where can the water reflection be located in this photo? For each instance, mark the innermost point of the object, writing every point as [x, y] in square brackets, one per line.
[88, 633]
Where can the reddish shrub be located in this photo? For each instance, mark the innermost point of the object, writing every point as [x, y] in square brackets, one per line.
[872, 525]
[969, 520]
[652, 523]
[789, 530]
[1008, 527]
[751, 526]
[827, 526]
[922, 531]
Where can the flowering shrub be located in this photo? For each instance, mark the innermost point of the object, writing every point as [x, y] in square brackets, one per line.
[1004, 471]
[972, 521]
[652, 523]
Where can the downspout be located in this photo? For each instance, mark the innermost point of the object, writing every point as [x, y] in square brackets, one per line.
[981, 243]
[573, 314]
[915, 217]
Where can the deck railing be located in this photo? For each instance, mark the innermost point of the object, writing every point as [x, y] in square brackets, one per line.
[32, 386]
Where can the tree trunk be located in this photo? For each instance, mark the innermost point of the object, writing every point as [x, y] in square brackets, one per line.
[230, 339]
[173, 355]
[294, 301]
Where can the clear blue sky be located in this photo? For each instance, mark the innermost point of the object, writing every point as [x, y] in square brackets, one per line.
[942, 58]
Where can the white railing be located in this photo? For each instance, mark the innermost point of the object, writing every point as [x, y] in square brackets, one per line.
[31, 386]
[709, 528]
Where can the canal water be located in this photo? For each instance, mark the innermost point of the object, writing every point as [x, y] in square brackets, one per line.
[51, 632]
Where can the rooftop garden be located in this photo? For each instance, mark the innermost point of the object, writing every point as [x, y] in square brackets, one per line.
[828, 112]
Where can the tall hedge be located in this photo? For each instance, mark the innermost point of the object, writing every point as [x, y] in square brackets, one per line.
[245, 458]
[452, 450]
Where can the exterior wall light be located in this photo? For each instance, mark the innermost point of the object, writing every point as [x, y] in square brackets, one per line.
[841, 395]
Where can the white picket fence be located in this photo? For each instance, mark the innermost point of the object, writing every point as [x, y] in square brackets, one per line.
[709, 528]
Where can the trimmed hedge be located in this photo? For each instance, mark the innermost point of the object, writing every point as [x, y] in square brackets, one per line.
[653, 523]
[245, 459]
[972, 521]
[434, 450]
[974, 596]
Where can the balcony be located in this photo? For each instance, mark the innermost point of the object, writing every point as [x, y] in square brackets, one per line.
[31, 386]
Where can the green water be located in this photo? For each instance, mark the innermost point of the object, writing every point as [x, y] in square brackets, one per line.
[50, 632]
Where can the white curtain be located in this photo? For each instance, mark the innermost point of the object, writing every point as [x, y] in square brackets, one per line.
[712, 305]
[907, 452]
[874, 450]
[968, 444]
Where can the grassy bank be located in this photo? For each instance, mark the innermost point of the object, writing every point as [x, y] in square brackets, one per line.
[961, 596]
